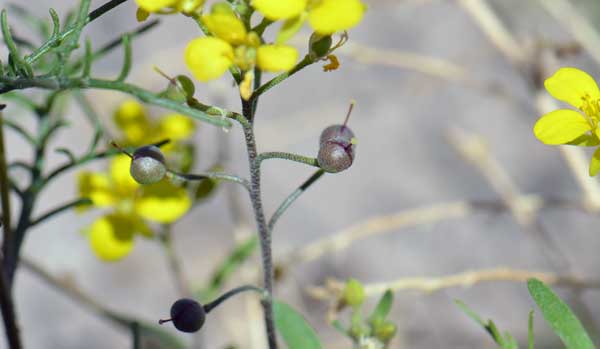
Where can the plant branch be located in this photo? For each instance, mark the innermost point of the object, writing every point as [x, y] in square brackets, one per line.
[464, 279]
[263, 229]
[212, 175]
[293, 196]
[306, 61]
[60, 209]
[212, 115]
[287, 156]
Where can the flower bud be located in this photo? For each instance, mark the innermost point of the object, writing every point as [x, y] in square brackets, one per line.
[148, 165]
[319, 45]
[354, 293]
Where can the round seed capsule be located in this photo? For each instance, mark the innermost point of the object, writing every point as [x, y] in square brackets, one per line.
[336, 132]
[187, 315]
[335, 156]
[148, 165]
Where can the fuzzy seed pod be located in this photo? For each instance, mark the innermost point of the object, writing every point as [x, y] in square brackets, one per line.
[148, 165]
[336, 151]
[337, 132]
[187, 315]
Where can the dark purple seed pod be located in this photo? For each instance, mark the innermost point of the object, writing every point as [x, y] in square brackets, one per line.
[340, 133]
[187, 315]
[335, 156]
[148, 165]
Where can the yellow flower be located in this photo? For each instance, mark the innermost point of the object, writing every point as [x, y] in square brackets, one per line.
[565, 126]
[276, 58]
[139, 129]
[324, 16]
[279, 9]
[169, 6]
[330, 16]
[111, 236]
[226, 26]
[208, 57]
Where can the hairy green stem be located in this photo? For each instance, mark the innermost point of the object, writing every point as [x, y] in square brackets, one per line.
[306, 61]
[209, 114]
[293, 196]
[287, 156]
[213, 175]
[263, 230]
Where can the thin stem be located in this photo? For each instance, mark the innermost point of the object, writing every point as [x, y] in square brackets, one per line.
[8, 314]
[54, 41]
[306, 61]
[212, 175]
[6, 300]
[4, 191]
[209, 114]
[60, 209]
[210, 306]
[293, 196]
[287, 156]
[263, 230]
[166, 238]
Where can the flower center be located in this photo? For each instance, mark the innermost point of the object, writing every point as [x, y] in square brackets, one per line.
[591, 108]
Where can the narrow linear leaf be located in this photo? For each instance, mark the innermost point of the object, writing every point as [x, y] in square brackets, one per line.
[530, 339]
[383, 307]
[559, 316]
[294, 329]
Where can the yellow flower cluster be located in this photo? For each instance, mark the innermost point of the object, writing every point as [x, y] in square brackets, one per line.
[130, 205]
[169, 6]
[232, 42]
[565, 126]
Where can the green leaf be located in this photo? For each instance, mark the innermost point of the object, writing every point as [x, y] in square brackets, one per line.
[186, 85]
[560, 127]
[338, 326]
[383, 307]
[559, 316]
[294, 329]
[530, 339]
[506, 342]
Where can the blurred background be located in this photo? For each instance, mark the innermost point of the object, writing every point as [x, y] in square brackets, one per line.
[448, 179]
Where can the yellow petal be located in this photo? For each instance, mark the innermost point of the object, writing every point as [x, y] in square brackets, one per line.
[189, 6]
[330, 16]
[560, 127]
[111, 237]
[279, 9]
[124, 184]
[226, 26]
[246, 85]
[163, 202]
[586, 140]
[96, 187]
[276, 58]
[290, 27]
[155, 5]
[132, 119]
[176, 127]
[208, 57]
[595, 163]
[572, 85]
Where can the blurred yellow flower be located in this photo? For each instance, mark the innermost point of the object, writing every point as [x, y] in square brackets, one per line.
[565, 126]
[226, 26]
[111, 236]
[276, 58]
[139, 129]
[208, 57]
[324, 16]
[169, 6]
